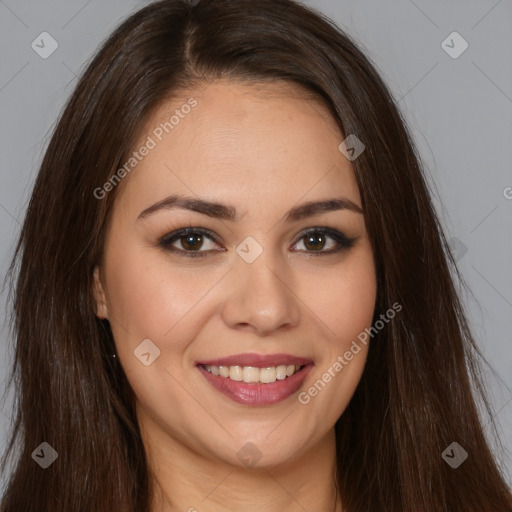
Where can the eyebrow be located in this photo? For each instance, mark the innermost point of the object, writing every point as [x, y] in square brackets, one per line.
[224, 212]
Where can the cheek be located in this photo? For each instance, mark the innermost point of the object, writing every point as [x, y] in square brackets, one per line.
[344, 301]
[345, 304]
[150, 298]
[342, 358]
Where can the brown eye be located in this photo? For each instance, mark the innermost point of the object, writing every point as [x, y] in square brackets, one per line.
[315, 242]
[324, 241]
[191, 242]
[195, 242]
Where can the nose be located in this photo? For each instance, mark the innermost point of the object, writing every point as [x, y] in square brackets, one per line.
[259, 298]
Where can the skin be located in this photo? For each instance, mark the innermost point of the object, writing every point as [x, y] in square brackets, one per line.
[262, 150]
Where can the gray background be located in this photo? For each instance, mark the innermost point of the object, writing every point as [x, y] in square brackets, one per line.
[458, 109]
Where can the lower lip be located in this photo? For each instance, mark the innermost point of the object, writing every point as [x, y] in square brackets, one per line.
[257, 394]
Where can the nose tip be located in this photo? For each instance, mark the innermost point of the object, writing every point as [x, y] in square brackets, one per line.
[259, 298]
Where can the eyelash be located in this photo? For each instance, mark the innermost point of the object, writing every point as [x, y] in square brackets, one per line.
[165, 242]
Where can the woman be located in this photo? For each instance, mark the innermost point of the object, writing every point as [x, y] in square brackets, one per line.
[233, 290]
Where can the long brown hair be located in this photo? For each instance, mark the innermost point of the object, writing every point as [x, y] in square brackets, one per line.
[415, 397]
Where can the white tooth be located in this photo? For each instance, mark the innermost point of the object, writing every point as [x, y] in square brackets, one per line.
[268, 375]
[251, 374]
[207, 367]
[235, 373]
[281, 372]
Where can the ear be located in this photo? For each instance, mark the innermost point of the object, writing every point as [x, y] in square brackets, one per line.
[99, 295]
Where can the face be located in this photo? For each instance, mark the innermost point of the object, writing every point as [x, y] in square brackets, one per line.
[229, 332]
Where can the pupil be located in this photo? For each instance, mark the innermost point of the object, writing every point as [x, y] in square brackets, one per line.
[192, 241]
[314, 240]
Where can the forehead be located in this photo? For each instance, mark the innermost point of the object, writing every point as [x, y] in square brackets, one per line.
[241, 143]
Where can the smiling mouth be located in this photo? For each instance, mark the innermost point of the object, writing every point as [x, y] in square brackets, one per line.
[253, 374]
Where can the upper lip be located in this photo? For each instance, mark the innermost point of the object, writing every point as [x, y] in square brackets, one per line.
[257, 360]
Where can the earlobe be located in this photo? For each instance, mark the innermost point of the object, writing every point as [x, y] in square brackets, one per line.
[99, 295]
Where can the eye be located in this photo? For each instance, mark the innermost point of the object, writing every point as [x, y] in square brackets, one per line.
[316, 240]
[199, 242]
[189, 242]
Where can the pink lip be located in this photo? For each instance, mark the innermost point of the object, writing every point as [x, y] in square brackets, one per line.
[257, 360]
[257, 394]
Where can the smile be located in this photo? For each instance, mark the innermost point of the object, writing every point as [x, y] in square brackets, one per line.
[256, 380]
[252, 374]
